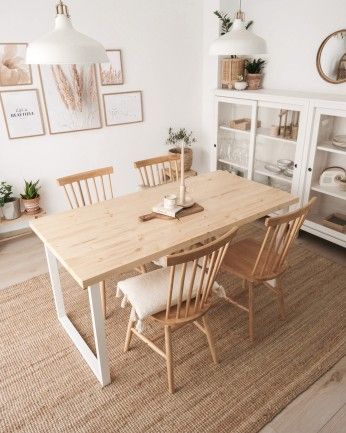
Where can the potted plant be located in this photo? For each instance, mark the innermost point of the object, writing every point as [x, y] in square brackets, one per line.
[240, 83]
[254, 73]
[10, 205]
[175, 138]
[31, 197]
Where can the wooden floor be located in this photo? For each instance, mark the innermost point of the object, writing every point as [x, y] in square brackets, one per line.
[320, 409]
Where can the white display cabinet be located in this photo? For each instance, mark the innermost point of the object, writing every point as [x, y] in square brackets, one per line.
[252, 152]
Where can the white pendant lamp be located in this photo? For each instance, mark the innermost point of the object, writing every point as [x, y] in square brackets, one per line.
[238, 41]
[64, 45]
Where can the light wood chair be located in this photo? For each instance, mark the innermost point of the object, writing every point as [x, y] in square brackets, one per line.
[176, 295]
[259, 263]
[87, 188]
[153, 171]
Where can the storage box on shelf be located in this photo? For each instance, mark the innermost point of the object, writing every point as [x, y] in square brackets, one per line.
[296, 126]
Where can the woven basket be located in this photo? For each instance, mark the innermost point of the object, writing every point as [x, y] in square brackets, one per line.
[187, 157]
[230, 70]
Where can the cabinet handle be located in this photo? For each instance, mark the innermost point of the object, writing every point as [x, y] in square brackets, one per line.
[295, 165]
[309, 169]
[214, 145]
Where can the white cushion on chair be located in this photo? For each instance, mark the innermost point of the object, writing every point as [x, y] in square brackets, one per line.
[148, 292]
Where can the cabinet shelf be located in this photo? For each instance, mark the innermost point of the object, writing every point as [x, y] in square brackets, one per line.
[333, 191]
[233, 164]
[265, 133]
[328, 147]
[238, 131]
[260, 169]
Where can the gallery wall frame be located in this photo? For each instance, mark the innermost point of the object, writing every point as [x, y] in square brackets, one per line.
[123, 108]
[112, 73]
[71, 98]
[13, 69]
[22, 119]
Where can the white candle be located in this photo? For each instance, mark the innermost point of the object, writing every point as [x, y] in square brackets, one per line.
[182, 174]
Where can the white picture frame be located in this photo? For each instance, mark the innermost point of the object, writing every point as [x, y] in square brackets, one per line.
[71, 97]
[111, 73]
[123, 108]
[22, 113]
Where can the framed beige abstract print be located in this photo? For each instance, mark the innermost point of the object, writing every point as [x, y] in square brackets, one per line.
[22, 113]
[13, 70]
[123, 108]
[71, 97]
[112, 73]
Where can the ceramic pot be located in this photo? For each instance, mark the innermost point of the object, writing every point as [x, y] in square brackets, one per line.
[240, 85]
[32, 206]
[11, 209]
[254, 81]
[188, 157]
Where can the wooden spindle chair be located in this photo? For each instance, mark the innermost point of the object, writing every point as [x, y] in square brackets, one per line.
[154, 171]
[257, 262]
[179, 294]
[87, 188]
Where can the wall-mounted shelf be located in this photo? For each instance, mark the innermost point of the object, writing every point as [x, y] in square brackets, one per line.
[233, 164]
[328, 147]
[260, 169]
[238, 131]
[265, 133]
[333, 191]
[19, 227]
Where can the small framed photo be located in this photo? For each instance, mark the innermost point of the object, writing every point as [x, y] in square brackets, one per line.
[22, 112]
[13, 69]
[123, 108]
[112, 73]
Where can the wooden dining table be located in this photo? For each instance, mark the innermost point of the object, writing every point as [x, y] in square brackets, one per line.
[105, 239]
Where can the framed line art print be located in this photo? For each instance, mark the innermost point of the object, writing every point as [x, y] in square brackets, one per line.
[112, 73]
[123, 108]
[71, 97]
[13, 69]
[22, 113]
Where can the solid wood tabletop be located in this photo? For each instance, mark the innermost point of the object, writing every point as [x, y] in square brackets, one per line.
[95, 242]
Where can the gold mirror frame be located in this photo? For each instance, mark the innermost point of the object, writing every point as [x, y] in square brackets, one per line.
[318, 59]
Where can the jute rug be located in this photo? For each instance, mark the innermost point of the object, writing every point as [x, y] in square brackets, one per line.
[47, 387]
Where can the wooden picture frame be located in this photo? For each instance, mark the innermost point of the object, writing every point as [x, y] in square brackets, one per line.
[123, 108]
[56, 80]
[14, 76]
[112, 73]
[23, 113]
[322, 74]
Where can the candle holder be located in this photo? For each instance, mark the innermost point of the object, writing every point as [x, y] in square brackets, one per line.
[184, 200]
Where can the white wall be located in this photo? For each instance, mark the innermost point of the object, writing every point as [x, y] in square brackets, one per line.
[294, 30]
[161, 42]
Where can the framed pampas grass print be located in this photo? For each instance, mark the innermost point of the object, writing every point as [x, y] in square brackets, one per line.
[112, 73]
[123, 108]
[13, 69]
[71, 97]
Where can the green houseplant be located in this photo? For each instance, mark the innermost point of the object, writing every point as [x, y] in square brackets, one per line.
[175, 138]
[10, 205]
[31, 197]
[254, 75]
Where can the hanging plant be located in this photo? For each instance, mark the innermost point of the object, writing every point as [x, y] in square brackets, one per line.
[227, 23]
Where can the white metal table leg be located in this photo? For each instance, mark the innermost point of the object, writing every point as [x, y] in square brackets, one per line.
[99, 363]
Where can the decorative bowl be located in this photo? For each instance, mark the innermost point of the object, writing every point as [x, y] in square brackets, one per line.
[339, 141]
[240, 85]
[284, 163]
[288, 172]
[273, 168]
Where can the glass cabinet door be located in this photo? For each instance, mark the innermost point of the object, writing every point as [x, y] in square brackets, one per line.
[327, 164]
[235, 135]
[278, 146]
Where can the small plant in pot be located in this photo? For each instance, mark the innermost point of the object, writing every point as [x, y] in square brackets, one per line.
[10, 205]
[31, 197]
[175, 138]
[240, 83]
[254, 75]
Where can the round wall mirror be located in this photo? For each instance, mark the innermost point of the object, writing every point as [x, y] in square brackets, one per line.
[331, 58]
